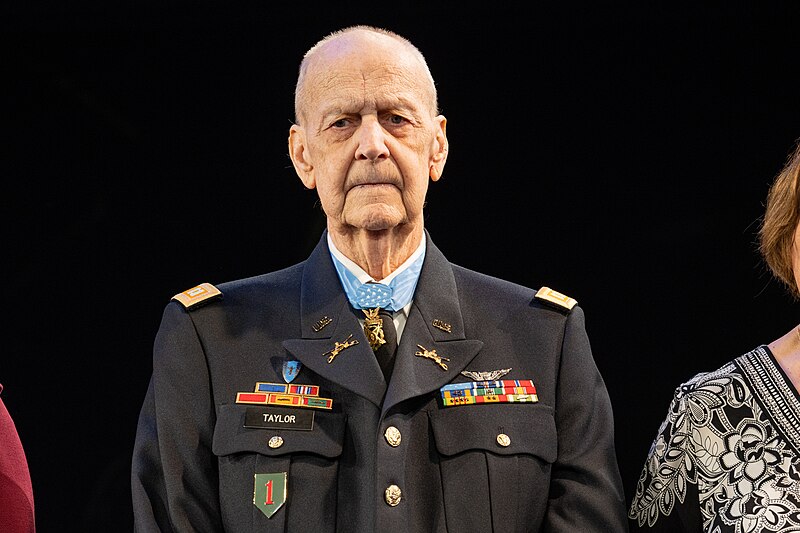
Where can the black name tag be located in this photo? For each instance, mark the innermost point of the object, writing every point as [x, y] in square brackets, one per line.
[279, 418]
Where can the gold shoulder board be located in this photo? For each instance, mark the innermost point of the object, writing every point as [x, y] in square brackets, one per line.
[203, 293]
[548, 295]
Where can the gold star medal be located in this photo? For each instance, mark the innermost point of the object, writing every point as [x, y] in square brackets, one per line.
[373, 328]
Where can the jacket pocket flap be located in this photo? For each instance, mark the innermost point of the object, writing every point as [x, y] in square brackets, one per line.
[503, 429]
[230, 436]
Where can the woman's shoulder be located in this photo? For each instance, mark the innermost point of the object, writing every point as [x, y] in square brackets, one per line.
[759, 355]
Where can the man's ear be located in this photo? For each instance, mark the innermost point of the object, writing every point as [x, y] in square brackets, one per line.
[298, 152]
[440, 149]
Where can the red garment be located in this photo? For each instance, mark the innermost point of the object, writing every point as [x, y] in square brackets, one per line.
[16, 493]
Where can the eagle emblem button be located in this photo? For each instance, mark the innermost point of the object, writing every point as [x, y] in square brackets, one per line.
[393, 495]
[392, 436]
[503, 440]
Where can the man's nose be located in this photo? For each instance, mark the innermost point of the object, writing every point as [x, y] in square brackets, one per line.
[371, 140]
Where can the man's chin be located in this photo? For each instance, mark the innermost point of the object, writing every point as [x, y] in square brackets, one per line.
[381, 218]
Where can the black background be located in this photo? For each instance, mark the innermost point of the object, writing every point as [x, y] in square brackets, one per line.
[619, 153]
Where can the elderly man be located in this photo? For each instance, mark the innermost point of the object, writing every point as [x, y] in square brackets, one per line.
[374, 386]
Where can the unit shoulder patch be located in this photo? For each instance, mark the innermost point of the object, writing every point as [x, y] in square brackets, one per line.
[198, 296]
[556, 299]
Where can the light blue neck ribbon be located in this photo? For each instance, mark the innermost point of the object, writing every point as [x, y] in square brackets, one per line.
[394, 296]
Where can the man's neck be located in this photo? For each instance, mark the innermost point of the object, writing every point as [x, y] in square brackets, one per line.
[379, 253]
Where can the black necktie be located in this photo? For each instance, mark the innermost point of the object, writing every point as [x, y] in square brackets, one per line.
[385, 352]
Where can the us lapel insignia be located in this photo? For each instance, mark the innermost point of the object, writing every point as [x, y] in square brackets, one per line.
[269, 493]
[291, 368]
[490, 375]
[321, 323]
[442, 325]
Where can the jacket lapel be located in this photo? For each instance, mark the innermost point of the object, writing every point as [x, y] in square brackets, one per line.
[435, 323]
[325, 319]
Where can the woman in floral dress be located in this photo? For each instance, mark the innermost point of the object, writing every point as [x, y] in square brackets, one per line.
[727, 456]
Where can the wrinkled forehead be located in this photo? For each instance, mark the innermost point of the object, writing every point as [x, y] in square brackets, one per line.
[363, 85]
[352, 72]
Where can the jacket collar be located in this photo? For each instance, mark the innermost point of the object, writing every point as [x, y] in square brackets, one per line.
[435, 310]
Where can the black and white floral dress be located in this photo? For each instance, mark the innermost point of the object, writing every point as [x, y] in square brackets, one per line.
[727, 456]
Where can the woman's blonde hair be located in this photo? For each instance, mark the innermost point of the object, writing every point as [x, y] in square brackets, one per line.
[778, 227]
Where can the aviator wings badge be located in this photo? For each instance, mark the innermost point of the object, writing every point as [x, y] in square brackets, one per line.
[490, 375]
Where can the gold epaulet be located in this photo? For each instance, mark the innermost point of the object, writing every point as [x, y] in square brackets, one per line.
[198, 296]
[555, 298]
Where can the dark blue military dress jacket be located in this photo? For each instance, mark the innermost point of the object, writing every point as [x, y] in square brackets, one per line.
[381, 458]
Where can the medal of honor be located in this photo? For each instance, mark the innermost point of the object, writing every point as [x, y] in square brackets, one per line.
[373, 328]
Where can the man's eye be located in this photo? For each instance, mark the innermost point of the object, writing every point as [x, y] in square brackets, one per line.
[341, 123]
[396, 119]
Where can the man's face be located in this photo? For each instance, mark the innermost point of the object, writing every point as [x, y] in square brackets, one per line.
[369, 140]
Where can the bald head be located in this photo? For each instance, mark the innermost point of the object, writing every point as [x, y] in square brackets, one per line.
[320, 65]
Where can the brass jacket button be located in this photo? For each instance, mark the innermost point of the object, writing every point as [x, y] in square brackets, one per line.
[275, 442]
[393, 437]
[503, 440]
[393, 495]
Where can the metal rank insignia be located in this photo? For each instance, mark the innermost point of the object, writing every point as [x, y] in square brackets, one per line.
[373, 328]
[555, 298]
[286, 395]
[498, 391]
[197, 296]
